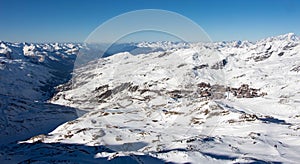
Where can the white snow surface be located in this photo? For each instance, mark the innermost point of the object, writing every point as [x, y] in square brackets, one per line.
[147, 108]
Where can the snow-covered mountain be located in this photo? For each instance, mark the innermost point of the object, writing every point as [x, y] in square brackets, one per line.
[233, 102]
[28, 75]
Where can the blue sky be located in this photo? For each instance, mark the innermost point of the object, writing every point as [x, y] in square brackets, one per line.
[74, 20]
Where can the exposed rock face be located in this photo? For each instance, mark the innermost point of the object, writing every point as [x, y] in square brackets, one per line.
[281, 54]
[220, 64]
[296, 69]
[262, 57]
[200, 66]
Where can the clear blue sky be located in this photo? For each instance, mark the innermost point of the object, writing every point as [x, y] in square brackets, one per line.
[73, 20]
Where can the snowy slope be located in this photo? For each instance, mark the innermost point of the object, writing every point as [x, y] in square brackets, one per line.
[226, 102]
[23, 63]
[28, 75]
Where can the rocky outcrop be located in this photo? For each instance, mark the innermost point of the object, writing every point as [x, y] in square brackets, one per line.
[219, 65]
[296, 69]
[262, 57]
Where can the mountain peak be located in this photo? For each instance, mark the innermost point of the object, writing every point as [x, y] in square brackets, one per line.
[289, 37]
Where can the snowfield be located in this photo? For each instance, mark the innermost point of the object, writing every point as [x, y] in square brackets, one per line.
[223, 102]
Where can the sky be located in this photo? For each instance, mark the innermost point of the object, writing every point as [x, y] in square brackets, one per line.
[74, 20]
